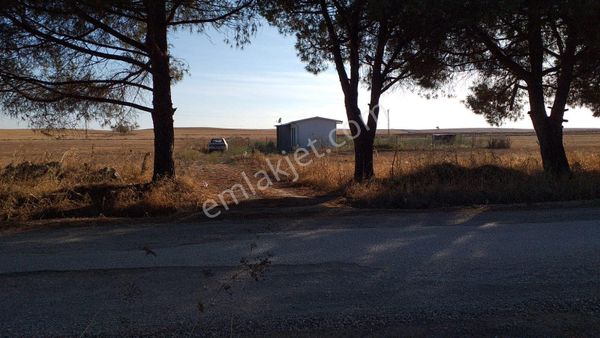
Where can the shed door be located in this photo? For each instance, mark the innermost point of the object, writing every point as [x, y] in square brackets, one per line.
[294, 137]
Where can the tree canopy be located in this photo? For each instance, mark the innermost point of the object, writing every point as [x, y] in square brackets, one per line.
[378, 44]
[68, 60]
[499, 44]
[540, 54]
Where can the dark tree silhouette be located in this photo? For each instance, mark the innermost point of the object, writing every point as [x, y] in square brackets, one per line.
[542, 53]
[68, 59]
[381, 44]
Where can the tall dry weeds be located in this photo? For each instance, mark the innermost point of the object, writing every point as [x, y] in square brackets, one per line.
[88, 186]
[425, 179]
[85, 185]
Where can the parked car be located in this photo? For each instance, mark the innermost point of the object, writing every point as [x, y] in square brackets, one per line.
[217, 144]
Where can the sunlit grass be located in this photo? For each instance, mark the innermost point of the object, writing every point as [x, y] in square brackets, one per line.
[425, 179]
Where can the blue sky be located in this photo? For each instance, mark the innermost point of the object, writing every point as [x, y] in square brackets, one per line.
[254, 87]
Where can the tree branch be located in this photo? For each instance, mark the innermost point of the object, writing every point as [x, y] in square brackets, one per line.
[213, 19]
[499, 54]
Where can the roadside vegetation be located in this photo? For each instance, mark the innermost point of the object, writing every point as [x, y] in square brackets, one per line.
[443, 178]
[102, 179]
[66, 188]
[87, 183]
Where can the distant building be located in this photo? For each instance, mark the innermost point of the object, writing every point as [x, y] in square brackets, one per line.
[298, 134]
[444, 138]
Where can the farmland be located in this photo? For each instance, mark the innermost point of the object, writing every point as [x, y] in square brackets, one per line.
[412, 170]
[21, 144]
[16, 145]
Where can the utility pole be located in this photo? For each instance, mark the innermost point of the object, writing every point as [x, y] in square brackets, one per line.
[86, 126]
[388, 121]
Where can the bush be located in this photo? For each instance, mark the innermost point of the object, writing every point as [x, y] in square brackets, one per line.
[125, 127]
[499, 143]
[266, 147]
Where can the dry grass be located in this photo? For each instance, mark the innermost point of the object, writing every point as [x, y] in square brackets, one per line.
[82, 185]
[91, 189]
[78, 189]
[104, 135]
[103, 146]
[448, 178]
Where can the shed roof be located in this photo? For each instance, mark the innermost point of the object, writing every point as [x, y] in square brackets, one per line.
[311, 118]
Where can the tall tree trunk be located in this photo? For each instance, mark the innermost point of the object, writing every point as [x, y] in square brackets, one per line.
[363, 135]
[377, 78]
[367, 162]
[549, 132]
[162, 116]
[363, 158]
[359, 160]
[363, 142]
[363, 146]
[554, 158]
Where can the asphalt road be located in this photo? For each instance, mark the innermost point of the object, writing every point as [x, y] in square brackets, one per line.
[467, 273]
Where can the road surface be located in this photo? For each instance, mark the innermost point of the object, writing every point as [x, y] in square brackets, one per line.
[379, 273]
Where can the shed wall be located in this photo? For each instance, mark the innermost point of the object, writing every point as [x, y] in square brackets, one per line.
[317, 130]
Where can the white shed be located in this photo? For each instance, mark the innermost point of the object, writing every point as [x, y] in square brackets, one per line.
[298, 134]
